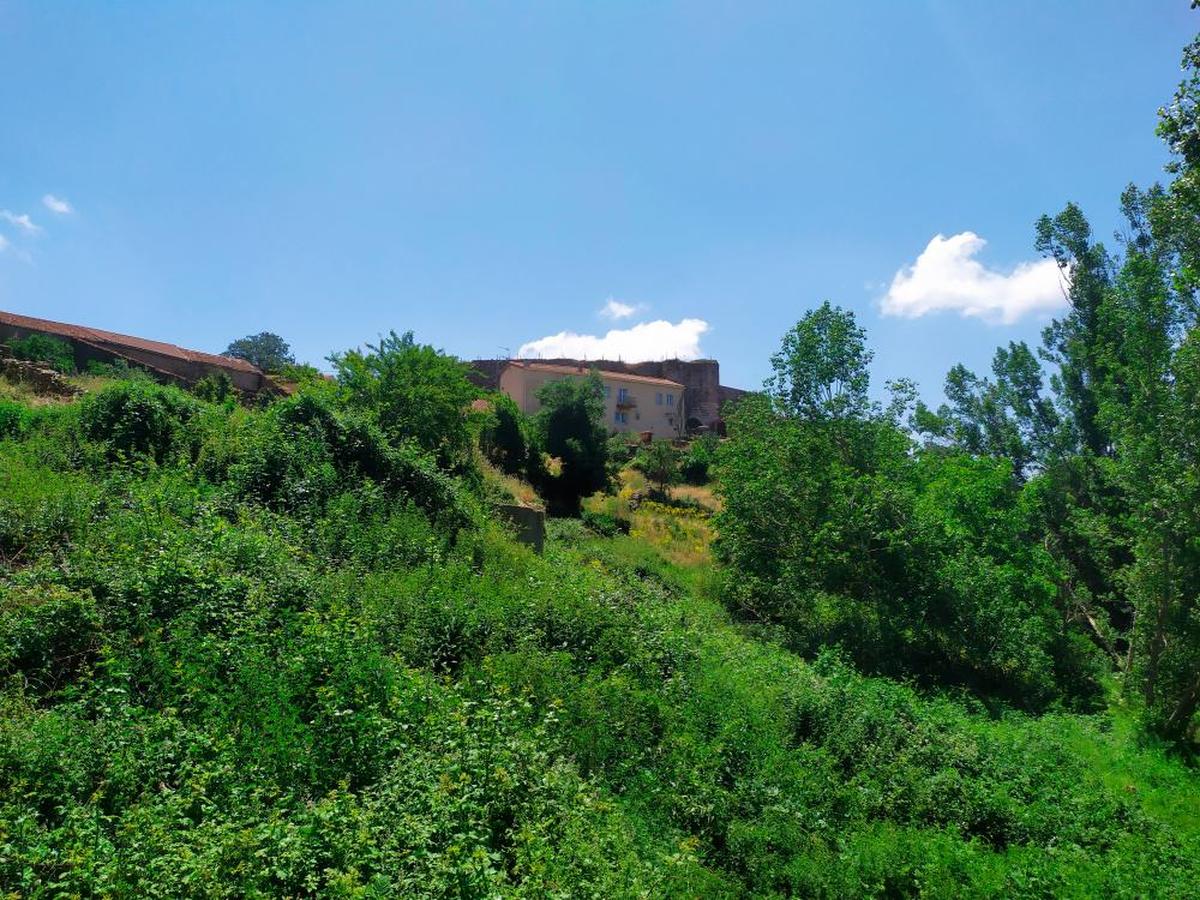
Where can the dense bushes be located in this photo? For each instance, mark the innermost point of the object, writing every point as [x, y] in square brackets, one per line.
[414, 392]
[921, 565]
[140, 418]
[42, 348]
[505, 439]
[14, 417]
[305, 450]
[269, 670]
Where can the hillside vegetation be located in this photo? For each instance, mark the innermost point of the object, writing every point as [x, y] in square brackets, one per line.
[272, 652]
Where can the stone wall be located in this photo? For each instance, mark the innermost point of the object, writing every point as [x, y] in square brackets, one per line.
[44, 381]
[529, 524]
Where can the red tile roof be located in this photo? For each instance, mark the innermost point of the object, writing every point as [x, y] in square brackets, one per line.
[580, 370]
[112, 340]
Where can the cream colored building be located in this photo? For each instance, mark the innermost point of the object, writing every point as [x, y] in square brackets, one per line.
[631, 402]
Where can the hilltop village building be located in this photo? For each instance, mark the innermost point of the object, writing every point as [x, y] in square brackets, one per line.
[707, 399]
[632, 403]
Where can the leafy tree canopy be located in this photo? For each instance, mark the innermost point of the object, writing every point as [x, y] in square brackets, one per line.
[821, 369]
[266, 350]
[416, 393]
[570, 425]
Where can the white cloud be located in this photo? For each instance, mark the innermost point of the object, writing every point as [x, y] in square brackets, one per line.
[645, 341]
[4, 245]
[615, 309]
[22, 222]
[57, 205]
[947, 277]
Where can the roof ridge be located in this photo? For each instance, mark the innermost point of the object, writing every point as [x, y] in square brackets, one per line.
[88, 333]
[579, 370]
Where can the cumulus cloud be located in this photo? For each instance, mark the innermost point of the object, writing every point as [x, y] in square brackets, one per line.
[645, 341]
[615, 309]
[21, 222]
[57, 205]
[947, 277]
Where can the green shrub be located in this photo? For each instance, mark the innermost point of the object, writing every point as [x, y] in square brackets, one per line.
[14, 418]
[140, 419]
[40, 509]
[414, 392]
[304, 450]
[506, 439]
[659, 462]
[701, 456]
[215, 387]
[605, 524]
[48, 635]
[42, 348]
[569, 425]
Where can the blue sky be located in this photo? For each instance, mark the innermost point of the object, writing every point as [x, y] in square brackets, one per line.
[489, 175]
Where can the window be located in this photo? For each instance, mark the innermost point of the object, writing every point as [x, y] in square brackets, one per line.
[658, 399]
[670, 399]
[607, 392]
[619, 417]
[622, 395]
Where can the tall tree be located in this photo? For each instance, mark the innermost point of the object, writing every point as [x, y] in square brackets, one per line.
[1152, 408]
[1008, 417]
[821, 368]
[266, 350]
[570, 426]
[918, 564]
[1074, 344]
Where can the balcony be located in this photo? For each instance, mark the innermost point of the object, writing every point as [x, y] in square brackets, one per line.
[627, 401]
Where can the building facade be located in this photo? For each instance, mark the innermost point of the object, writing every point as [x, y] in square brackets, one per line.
[632, 403]
[707, 398]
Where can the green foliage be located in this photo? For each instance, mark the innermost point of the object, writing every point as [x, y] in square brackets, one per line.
[604, 524]
[215, 387]
[43, 348]
[697, 463]
[414, 392]
[40, 510]
[659, 462]
[1007, 418]
[14, 418]
[118, 368]
[265, 350]
[268, 670]
[507, 439]
[821, 367]
[140, 419]
[305, 450]
[919, 565]
[48, 637]
[301, 373]
[569, 425]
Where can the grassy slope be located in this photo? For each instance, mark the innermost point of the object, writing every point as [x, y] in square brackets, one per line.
[202, 697]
